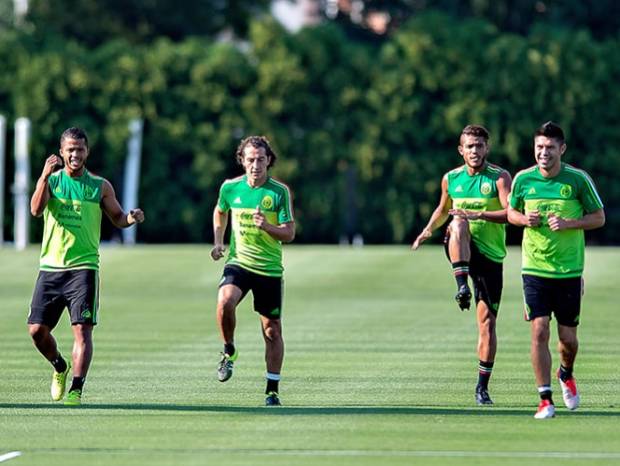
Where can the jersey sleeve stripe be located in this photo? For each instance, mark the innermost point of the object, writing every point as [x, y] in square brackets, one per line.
[589, 183]
[287, 197]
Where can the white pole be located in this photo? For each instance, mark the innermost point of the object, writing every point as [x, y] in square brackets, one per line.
[21, 185]
[132, 175]
[2, 171]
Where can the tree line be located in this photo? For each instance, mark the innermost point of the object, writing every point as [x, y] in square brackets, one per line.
[364, 131]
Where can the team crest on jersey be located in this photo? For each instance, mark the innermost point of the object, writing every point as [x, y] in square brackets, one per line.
[485, 188]
[267, 202]
[89, 192]
[565, 191]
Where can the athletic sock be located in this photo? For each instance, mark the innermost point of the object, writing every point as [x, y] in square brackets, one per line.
[461, 272]
[78, 383]
[484, 373]
[566, 373]
[60, 365]
[272, 382]
[229, 349]
[545, 392]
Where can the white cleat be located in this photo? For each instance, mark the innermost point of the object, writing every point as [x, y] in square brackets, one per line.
[570, 393]
[546, 410]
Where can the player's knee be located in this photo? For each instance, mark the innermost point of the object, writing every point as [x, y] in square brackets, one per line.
[38, 332]
[272, 332]
[569, 343]
[459, 228]
[540, 334]
[226, 306]
[487, 327]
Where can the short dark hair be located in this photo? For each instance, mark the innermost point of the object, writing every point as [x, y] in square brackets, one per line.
[476, 130]
[74, 133]
[256, 142]
[551, 130]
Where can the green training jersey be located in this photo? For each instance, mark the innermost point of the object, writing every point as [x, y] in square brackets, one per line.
[72, 223]
[569, 194]
[478, 192]
[250, 247]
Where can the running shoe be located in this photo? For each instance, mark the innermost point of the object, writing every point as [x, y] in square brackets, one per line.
[272, 399]
[463, 297]
[569, 392]
[59, 383]
[74, 398]
[225, 366]
[546, 410]
[482, 396]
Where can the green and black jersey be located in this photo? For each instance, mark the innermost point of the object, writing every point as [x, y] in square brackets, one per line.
[250, 247]
[72, 223]
[570, 194]
[478, 192]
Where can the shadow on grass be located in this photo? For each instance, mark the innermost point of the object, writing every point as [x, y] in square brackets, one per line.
[313, 410]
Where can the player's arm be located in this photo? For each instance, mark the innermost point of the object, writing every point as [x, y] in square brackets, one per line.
[589, 221]
[519, 219]
[220, 221]
[284, 232]
[438, 217]
[114, 211]
[41, 195]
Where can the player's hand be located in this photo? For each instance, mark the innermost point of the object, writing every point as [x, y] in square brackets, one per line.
[217, 252]
[426, 234]
[135, 216]
[52, 163]
[532, 218]
[464, 213]
[556, 223]
[259, 218]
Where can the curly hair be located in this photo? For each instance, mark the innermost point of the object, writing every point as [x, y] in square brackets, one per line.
[256, 142]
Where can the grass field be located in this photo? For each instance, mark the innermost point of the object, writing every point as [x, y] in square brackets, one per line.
[380, 368]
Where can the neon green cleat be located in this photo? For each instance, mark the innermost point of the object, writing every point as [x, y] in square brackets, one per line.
[59, 383]
[74, 398]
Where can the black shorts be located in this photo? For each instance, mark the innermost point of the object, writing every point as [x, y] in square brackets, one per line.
[558, 296]
[76, 290]
[267, 291]
[486, 275]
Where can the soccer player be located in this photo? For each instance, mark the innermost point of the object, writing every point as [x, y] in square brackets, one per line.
[71, 200]
[262, 218]
[475, 195]
[555, 202]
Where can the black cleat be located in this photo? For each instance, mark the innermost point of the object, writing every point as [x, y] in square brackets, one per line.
[463, 297]
[482, 396]
[272, 399]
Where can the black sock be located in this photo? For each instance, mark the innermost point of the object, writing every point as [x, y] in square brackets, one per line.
[78, 383]
[545, 393]
[272, 386]
[229, 349]
[60, 365]
[461, 272]
[566, 373]
[484, 373]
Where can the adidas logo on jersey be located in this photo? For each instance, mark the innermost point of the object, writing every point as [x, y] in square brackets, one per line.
[237, 201]
[532, 191]
[459, 189]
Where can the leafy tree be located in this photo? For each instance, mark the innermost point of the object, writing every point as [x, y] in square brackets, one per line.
[94, 22]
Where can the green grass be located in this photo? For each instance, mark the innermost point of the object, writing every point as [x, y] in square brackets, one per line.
[380, 368]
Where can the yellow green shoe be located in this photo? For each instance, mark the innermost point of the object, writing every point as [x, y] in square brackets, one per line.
[74, 398]
[59, 383]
